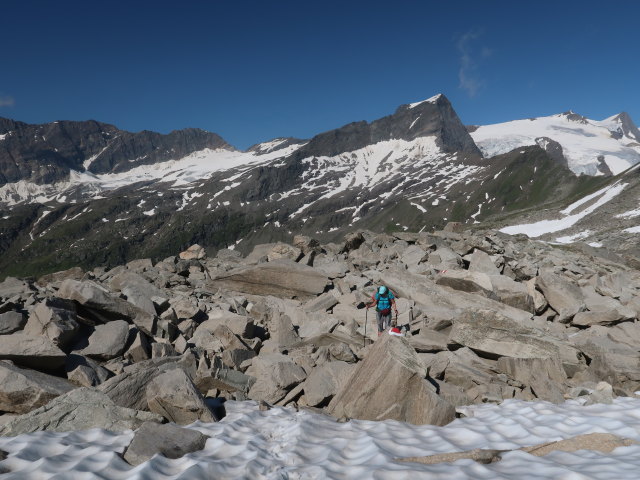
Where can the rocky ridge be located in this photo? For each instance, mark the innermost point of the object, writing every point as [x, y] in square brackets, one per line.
[488, 317]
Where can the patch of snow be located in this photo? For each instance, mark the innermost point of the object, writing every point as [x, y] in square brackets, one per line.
[151, 212]
[550, 226]
[433, 99]
[630, 214]
[419, 207]
[574, 238]
[632, 229]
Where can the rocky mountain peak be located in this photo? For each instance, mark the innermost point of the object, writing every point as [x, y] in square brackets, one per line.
[626, 126]
[46, 153]
[432, 117]
[575, 117]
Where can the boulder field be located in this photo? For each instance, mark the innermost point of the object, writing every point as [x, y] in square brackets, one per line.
[487, 317]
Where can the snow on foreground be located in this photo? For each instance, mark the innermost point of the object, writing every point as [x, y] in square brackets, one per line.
[284, 444]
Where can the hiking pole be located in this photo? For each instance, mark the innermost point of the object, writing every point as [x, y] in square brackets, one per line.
[364, 340]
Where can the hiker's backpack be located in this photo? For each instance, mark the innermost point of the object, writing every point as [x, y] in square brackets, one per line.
[384, 303]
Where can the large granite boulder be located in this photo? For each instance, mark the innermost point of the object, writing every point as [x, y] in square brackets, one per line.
[79, 409]
[54, 319]
[563, 296]
[22, 390]
[324, 382]
[174, 396]
[494, 335]
[129, 388]
[33, 352]
[281, 278]
[137, 289]
[94, 297]
[275, 374]
[11, 322]
[545, 376]
[107, 341]
[391, 384]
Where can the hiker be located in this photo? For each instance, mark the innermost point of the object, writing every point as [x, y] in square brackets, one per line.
[383, 300]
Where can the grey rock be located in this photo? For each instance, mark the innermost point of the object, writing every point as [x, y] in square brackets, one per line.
[79, 409]
[493, 334]
[275, 374]
[241, 325]
[128, 388]
[352, 241]
[311, 324]
[107, 341]
[603, 393]
[545, 376]
[137, 289]
[161, 349]
[12, 287]
[22, 390]
[390, 384]
[322, 303]
[282, 334]
[480, 261]
[56, 320]
[429, 341]
[139, 350]
[274, 278]
[96, 298]
[33, 352]
[167, 440]
[194, 252]
[306, 244]
[512, 293]
[223, 378]
[324, 382]
[563, 296]
[11, 322]
[282, 250]
[174, 396]
[85, 372]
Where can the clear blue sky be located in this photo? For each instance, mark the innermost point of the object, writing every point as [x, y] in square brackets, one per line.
[254, 70]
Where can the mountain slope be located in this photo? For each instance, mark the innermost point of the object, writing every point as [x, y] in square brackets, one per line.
[416, 169]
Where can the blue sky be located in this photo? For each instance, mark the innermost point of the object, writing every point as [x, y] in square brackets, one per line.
[254, 70]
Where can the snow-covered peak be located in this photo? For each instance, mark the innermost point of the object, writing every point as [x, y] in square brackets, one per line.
[590, 147]
[433, 99]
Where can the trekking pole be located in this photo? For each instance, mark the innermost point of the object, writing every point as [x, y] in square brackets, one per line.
[364, 340]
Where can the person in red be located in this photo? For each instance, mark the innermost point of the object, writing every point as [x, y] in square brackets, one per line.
[384, 301]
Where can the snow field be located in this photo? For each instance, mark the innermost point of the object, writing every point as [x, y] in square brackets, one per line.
[582, 143]
[284, 443]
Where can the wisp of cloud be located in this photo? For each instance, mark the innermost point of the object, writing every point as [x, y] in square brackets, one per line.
[467, 74]
[7, 101]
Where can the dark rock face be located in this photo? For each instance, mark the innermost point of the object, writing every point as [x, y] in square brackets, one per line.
[130, 150]
[45, 153]
[553, 149]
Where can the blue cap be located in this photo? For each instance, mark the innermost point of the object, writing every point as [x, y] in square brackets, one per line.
[382, 290]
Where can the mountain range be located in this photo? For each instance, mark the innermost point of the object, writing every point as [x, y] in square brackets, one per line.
[88, 194]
